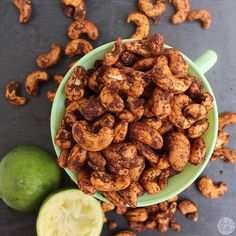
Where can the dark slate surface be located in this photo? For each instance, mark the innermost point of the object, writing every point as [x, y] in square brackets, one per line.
[19, 45]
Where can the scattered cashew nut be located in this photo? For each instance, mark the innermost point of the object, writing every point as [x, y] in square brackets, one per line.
[75, 9]
[182, 10]
[25, 10]
[225, 154]
[189, 209]
[78, 47]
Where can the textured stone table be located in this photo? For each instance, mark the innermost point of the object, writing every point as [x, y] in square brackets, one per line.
[19, 45]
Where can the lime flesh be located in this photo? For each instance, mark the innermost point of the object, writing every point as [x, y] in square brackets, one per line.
[70, 213]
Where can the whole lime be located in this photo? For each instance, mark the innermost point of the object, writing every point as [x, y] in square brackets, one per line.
[27, 175]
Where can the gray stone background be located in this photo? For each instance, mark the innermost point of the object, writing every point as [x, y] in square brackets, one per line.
[19, 45]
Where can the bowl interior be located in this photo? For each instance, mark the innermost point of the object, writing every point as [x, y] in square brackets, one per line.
[177, 183]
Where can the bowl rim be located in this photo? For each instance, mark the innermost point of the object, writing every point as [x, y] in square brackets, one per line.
[189, 181]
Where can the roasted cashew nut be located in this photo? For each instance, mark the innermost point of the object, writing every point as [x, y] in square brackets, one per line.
[135, 106]
[96, 161]
[74, 89]
[63, 157]
[164, 78]
[137, 165]
[137, 215]
[163, 178]
[103, 181]
[152, 122]
[142, 22]
[75, 9]
[84, 182]
[162, 164]
[179, 150]
[148, 180]
[207, 100]
[226, 119]
[198, 128]
[225, 154]
[50, 58]
[197, 151]
[131, 194]
[152, 10]
[106, 120]
[111, 100]
[146, 135]
[150, 46]
[77, 28]
[178, 66]
[112, 57]
[89, 140]
[126, 115]
[189, 209]
[120, 131]
[210, 189]
[195, 89]
[144, 64]
[77, 158]
[11, 94]
[195, 112]
[222, 139]
[78, 47]
[33, 80]
[161, 103]
[166, 127]
[63, 137]
[182, 10]
[129, 58]
[25, 9]
[177, 117]
[203, 15]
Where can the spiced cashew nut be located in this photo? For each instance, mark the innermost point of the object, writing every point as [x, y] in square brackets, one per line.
[78, 47]
[33, 80]
[11, 94]
[182, 10]
[197, 152]
[25, 10]
[75, 9]
[225, 154]
[89, 140]
[189, 209]
[142, 22]
[77, 28]
[210, 189]
[226, 119]
[203, 15]
[152, 10]
[50, 58]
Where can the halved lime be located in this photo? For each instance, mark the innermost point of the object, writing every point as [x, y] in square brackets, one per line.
[70, 213]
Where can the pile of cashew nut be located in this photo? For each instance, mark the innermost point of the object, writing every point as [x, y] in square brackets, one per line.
[133, 121]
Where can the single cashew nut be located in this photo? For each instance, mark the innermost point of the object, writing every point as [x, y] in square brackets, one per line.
[189, 209]
[142, 22]
[178, 66]
[222, 139]
[146, 135]
[74, 89]
[226, 119]
[126, 115]
[11, 94]
[225, 154]
[150, 46]
[210, 189]
[111, 100]
[112, 57]
[203, 15]
[164, 78]
[25, 10]
[78, 47]
[137, 165]
[197, 152]
[148, 180]
[161, 103]
[177, 117]
[77, 28]
[63, 138]
[63, 157]
[75, 9]
[33, 80]
[195, 112]
[77, 158]
[195, 89]
[162, 164]
[166, 127]
[131, 194]
[103, 181]
[96, 161]
[50, 58]
[182, 10]
[179, 150]
[89, 140]
[144, 64]
[84, 182]
[163, 178]
[207, 101]
[135, 106]
[152, 122]
[198, 128]
[120, 131]
[137, 215]
[152, 10]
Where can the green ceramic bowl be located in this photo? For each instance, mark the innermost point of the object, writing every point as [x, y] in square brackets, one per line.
[179, 182]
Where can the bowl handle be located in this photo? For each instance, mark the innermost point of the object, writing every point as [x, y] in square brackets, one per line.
[206, 61]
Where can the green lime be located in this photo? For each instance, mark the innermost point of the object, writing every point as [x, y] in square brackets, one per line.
[27, 175]
[70, 213]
